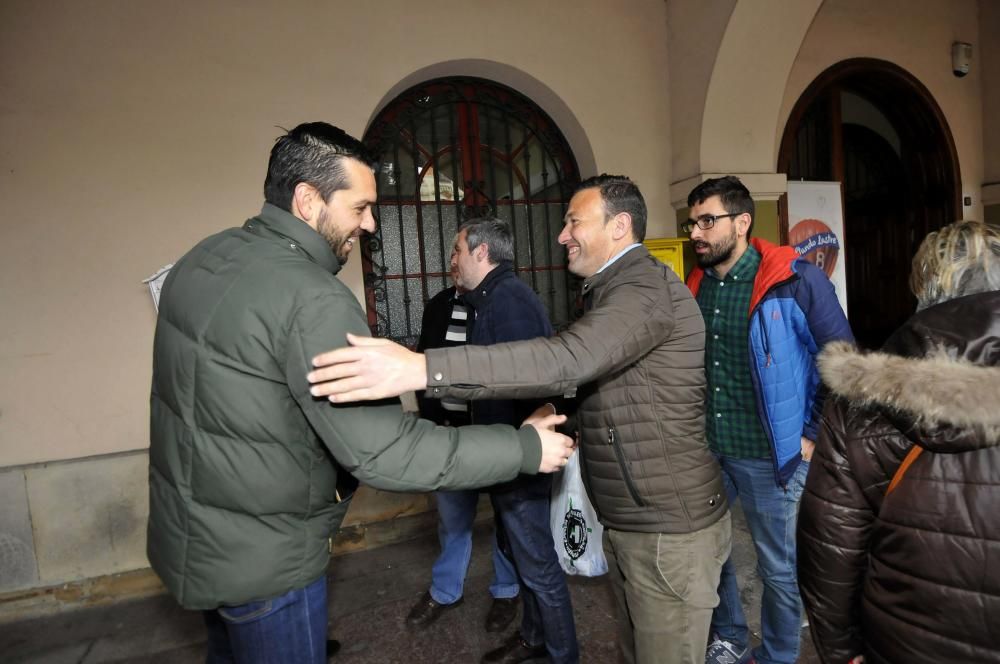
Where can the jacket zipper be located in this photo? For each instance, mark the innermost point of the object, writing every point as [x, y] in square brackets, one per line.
[584, 476]
[761, 411]
[763, 338]
[620, 455]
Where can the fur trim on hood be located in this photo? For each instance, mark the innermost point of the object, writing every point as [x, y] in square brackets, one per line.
[933, 390]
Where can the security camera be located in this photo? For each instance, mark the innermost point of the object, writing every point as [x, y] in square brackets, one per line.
[961, 54]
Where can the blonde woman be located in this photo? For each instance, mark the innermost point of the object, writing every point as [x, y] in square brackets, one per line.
[910, 574]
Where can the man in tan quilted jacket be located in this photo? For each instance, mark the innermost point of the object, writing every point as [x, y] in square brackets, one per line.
[635, 361]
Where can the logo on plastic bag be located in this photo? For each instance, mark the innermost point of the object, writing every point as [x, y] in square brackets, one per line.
[575, 532]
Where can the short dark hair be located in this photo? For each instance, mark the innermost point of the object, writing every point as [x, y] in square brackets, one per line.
[494, 233]
[620, 194]
[314, 153]
[734, 195]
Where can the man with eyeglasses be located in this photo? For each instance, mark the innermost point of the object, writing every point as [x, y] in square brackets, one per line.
[767, 314]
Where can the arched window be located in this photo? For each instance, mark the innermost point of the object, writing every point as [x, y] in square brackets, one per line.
[454, 149]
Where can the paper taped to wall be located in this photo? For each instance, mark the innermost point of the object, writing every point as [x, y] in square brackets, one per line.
[155, 283]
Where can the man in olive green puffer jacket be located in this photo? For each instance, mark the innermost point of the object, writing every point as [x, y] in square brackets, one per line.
[244, 462]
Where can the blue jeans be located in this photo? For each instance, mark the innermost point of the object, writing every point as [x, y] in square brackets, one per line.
[522, 516]
[456, 512]
[771, 514]
[290, 629]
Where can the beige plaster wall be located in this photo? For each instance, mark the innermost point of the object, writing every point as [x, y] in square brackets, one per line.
[131, 129]
[744, 95]
[916, 35]
[695, 29]
[729, 62]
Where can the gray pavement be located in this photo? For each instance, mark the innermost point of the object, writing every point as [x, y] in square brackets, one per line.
[370, 595]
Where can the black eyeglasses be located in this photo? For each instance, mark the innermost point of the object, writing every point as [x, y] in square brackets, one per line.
[705, 221]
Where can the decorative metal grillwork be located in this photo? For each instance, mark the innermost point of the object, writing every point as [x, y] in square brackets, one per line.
[455, 149]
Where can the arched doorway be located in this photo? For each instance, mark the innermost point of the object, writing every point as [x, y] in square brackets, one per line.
[875, 128]
[453, 149]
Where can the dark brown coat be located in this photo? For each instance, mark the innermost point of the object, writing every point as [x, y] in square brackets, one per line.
[915, 576]
[636, 361]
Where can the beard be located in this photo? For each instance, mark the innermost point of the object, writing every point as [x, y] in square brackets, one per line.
[340, 242]
[717, 253]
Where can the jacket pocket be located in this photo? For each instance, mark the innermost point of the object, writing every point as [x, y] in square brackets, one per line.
[623, 465]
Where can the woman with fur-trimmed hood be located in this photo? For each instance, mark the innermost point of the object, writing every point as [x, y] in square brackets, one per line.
[913, 576]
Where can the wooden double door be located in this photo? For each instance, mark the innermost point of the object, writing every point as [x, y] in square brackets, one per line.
[871, 126]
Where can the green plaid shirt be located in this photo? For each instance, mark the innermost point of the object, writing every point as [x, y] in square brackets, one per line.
[733, 426]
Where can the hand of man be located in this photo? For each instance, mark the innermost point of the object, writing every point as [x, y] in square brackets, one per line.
[807, 449]
[367, 370]
[556, 448]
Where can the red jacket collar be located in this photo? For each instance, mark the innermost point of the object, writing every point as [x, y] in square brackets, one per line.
[775, 267]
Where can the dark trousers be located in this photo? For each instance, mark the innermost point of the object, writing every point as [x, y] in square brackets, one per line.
[522, 516]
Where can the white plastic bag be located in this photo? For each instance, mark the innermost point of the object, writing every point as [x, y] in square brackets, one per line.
[575, 530]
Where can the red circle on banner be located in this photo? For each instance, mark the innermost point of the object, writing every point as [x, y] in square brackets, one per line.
[816, 243]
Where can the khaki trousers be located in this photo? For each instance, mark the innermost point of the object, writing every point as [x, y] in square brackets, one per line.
[666, 587]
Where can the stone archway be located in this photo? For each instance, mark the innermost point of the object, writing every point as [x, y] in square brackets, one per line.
[724, 110]
[875, 128]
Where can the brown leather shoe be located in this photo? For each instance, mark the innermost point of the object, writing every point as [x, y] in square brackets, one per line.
[426, 611]
[512, 651]
[502, 613]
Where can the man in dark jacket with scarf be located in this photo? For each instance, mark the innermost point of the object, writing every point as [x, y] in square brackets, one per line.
[245, 465]
[446, 322]
[504, 308]
[635, 361]
[767, 315]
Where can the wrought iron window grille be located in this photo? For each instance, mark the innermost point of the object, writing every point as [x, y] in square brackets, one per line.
[456, 149]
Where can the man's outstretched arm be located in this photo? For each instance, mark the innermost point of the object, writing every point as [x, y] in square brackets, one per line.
[368, 369]
[377, 442]
[608, 337]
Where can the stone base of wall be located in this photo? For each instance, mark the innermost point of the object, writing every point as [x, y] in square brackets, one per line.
[72, 520]
[37, 602]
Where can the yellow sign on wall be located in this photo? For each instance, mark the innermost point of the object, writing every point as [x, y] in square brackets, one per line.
[669, 251]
